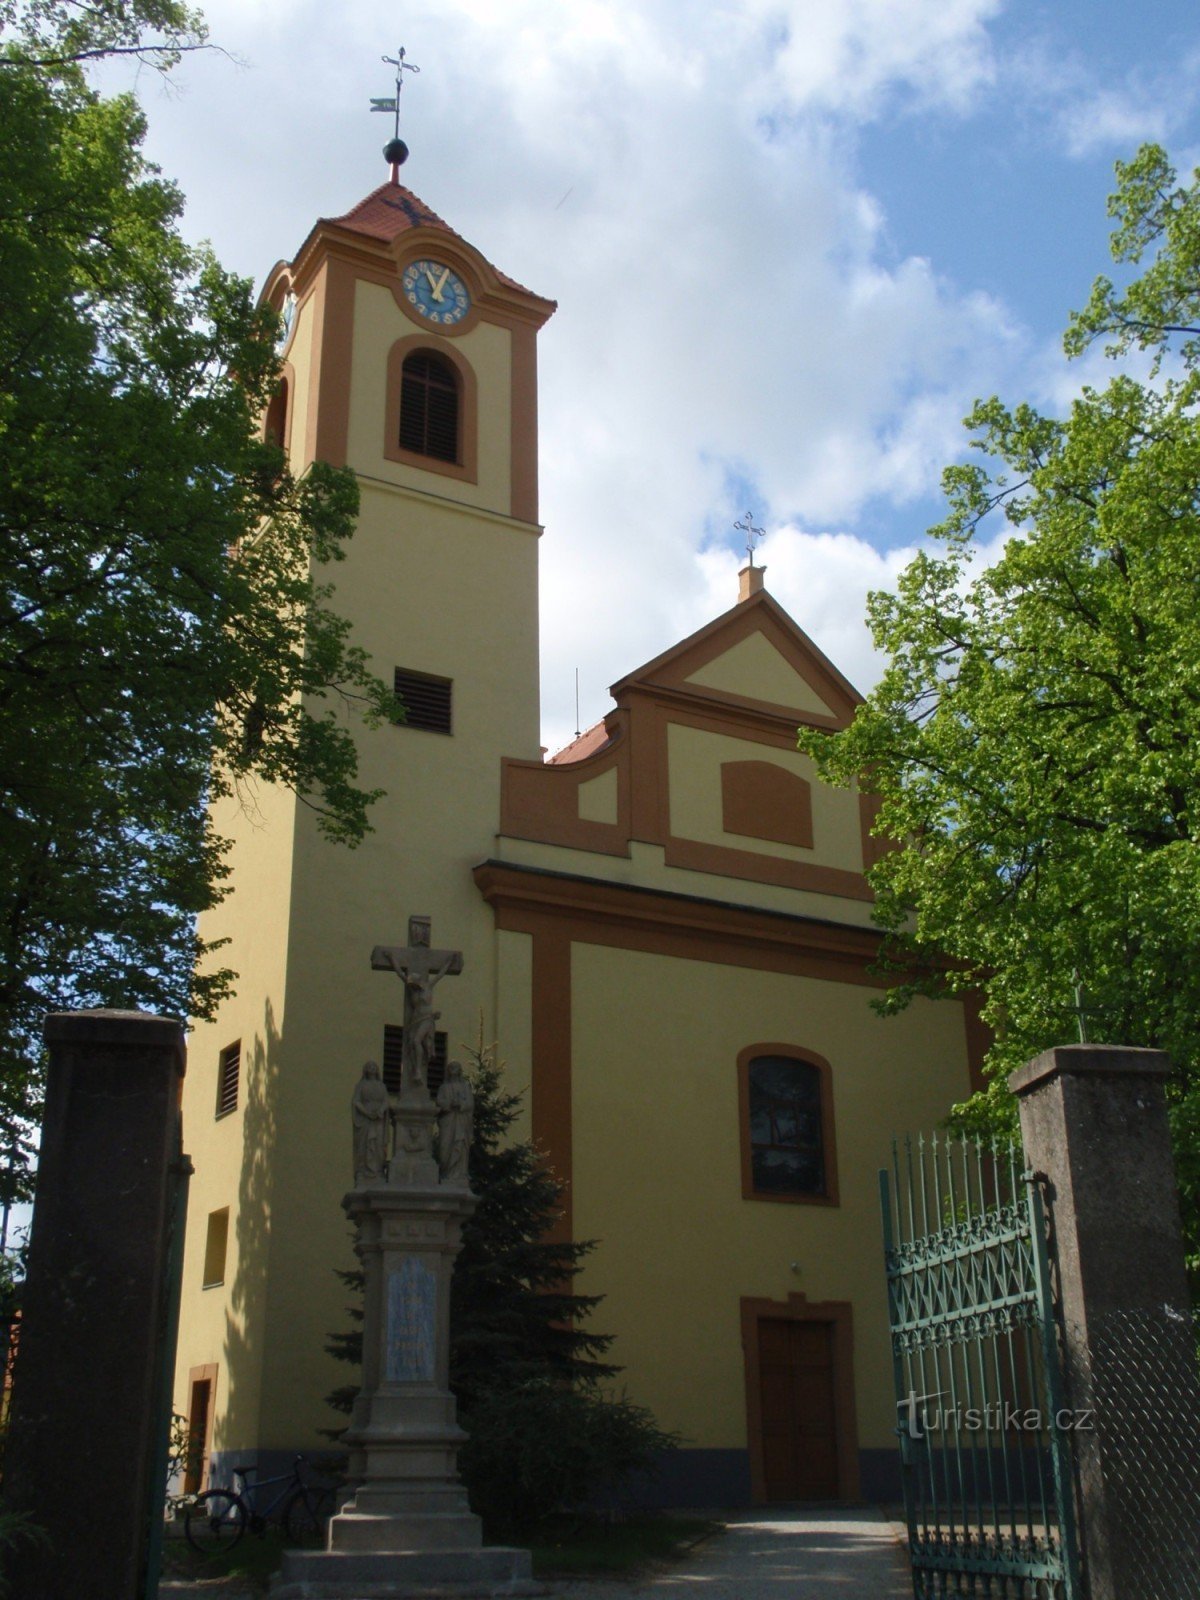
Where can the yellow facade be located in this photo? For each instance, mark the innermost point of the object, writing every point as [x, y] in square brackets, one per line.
[634, 922]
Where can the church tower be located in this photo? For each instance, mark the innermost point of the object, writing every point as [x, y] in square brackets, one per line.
[410, 359]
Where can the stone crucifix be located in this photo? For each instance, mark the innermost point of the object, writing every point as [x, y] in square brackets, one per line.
[419, 968]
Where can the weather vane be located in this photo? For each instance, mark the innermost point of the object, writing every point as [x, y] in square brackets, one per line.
[746, 526]
[395, 151]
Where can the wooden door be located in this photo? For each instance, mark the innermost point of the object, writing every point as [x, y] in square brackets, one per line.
[799, 1437]
[199, 1420]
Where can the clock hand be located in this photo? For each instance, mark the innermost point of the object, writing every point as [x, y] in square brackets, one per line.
[441, 283]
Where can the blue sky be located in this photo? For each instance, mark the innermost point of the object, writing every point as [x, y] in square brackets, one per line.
[791, 241]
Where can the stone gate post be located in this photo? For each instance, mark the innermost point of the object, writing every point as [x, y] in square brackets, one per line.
[81, 1451]
[1094, 1125]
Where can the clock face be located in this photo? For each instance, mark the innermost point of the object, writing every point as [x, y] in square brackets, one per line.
[435, 292]
[287, 317]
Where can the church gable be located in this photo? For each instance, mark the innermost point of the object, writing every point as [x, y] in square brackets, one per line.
[699, 758]
[756, 669]
[752, 658]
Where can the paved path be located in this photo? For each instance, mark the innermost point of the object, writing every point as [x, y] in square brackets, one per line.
[777, 1555]
[829, 1554]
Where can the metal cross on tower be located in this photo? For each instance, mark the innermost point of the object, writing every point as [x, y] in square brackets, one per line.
[395, 151]
[746, 526]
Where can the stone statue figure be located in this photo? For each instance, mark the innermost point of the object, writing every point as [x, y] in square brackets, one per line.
[420, 968]
[371, 1109]
[420, 1023]
[456, 1115]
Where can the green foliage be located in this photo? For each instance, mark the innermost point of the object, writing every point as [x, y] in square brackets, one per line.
[513, 1312]
[544, 1434]
[543, 1446]
[1034, 738]
[184, 1453]
[17, 1528]
[164, 638]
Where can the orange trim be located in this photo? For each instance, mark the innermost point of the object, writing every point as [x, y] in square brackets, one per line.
[759, 614]
[287, 385]
[828, 1129]
[524, 414]
[531, 899]
[459, 261]
[207, 1373]
[540, 800]
[498, 302]
[762, 801]
[312, 406]
[467, 467]
[726, 860]
[728, 863]
[840, 1315]
[558, 911]
[758, 719]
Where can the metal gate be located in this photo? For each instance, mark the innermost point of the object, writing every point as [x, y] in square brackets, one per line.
[984, 1436]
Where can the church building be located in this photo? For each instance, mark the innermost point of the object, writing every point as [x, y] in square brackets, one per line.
[665, 928]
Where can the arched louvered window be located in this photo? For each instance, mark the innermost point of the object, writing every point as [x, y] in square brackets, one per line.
[429, 407]
[275, 423]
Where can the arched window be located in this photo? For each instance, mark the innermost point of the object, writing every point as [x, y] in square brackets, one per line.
[275, 423]
[429, 407]
[787, 1126]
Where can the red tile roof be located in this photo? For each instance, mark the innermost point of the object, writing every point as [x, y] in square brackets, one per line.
[391, 210]
[587, 744]
[388, 212]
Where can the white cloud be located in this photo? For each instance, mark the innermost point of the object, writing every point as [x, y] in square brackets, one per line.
[681, 177]
[1093, 111]
[856, 55]
[1113, 119]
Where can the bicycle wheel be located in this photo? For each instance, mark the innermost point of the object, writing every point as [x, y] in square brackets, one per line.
[306, 1516]
[214, 1521]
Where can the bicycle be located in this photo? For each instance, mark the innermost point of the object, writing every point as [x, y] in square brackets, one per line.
[217, 1519]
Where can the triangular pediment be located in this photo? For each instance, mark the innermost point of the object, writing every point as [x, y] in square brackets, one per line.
[756, 669]
[754, 656]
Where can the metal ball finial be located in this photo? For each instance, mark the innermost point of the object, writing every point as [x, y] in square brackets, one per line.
[395, 151]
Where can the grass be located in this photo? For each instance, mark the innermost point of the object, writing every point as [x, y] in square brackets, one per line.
[604, 1548]
[253, 1559]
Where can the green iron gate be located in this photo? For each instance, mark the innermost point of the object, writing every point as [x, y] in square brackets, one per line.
[984, 1435]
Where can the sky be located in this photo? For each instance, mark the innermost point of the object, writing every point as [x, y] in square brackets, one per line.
[791, 242]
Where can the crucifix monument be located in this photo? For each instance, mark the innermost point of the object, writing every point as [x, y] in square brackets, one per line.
[420, 968]
[407, 1526]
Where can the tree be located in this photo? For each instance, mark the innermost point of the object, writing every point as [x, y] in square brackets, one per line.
[1035, 739]
[164, 639]
[528, 1377]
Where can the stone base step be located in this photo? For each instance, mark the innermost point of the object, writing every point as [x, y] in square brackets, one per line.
[405, 1575]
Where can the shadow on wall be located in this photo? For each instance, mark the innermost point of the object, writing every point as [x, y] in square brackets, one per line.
[245, 1321]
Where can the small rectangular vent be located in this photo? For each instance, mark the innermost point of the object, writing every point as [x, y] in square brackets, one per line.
[393, 1058]
[229, 1072]
[426, 701]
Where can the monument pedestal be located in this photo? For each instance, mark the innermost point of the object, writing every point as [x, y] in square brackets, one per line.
[407, 1528]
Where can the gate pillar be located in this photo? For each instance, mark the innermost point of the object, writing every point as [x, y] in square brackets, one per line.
[86, 1452]
[1094, 1126]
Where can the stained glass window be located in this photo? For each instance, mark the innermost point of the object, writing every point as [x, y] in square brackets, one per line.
[787, 1151]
